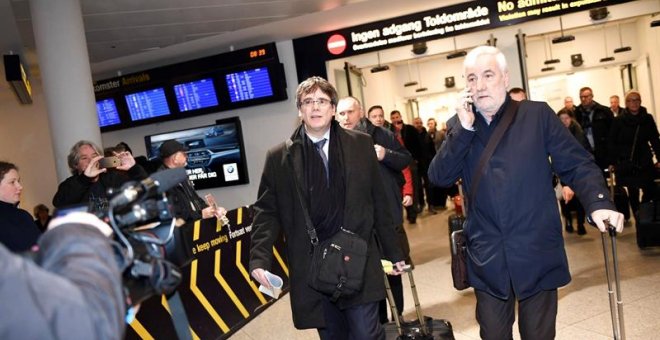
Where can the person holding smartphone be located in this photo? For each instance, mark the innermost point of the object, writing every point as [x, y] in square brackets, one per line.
[514, 237]
[90, 178]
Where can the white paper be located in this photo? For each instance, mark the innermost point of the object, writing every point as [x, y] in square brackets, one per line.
[276, 282]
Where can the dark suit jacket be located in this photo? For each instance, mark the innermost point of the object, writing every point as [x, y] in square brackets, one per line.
[600, 123]
[513, 227]
[278, 210]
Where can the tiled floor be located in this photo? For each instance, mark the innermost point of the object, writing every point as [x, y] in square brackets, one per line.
[584, 311]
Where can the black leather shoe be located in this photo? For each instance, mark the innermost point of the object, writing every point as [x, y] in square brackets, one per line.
[581, 230]
[569, 228]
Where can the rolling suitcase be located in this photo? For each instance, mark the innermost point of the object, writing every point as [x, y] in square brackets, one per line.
[648, 225]
[424, 327]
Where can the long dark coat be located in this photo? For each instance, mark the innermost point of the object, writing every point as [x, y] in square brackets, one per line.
[277, 210]
[513, 226]
[621, 137]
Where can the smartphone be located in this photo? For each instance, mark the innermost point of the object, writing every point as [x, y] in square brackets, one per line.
[109, 162]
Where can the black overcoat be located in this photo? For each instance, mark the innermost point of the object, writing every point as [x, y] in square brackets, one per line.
[278, 210]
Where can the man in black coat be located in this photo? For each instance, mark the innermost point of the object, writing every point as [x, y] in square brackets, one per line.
[392, 158]
[341, 185]
[411, 141]
[595, 120]
[89, 182]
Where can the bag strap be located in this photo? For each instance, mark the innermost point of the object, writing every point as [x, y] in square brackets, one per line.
[632, 151]
[500, 129]
[311, 231]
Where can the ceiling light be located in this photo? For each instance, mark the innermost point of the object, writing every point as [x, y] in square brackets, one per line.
[622, 48]
[379, 68]
[456, 53]
[546, 69]
[410, 81]
[607, 56]
[563, 38]
[545, 50]
[419, 76]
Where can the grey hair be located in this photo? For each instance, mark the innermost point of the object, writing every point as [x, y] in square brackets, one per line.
[74, 154]
[471, 57]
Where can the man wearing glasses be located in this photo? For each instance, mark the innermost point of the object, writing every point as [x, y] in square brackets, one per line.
[338, 174]
[595, 119]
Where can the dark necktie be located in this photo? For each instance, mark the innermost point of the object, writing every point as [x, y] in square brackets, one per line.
[319, 147]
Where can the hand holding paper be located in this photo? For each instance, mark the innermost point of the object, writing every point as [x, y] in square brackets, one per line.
[276, 284]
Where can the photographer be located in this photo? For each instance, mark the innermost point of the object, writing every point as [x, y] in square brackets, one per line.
[72, 290]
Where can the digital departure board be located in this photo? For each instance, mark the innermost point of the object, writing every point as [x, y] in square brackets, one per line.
[147, 104]
[222, 82]
[250, 84]
[107, 112]
[195, 95]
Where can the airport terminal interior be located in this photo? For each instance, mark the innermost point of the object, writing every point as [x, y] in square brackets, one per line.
[374, 50]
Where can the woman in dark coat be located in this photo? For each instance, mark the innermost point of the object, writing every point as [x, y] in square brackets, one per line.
[17, 229]
[569, 204]
[633, 140]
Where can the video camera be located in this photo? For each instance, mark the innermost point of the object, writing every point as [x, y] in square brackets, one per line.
[150, 252]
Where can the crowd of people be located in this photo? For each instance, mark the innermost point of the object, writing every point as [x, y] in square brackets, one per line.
[354, 170]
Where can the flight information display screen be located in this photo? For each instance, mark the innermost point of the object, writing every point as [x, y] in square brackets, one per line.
[195, 95]
[107, 113]
[249, 84]
[147, 104]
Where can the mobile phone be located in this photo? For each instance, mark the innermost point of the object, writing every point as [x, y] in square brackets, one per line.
[109, 162]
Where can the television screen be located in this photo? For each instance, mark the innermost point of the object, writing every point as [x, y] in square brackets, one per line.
[249, 84]
[106, 110]
[147, 104]
[195, 95]
[216, 155]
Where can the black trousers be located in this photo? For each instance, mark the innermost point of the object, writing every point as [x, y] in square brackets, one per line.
[537, 316]
[354, 323]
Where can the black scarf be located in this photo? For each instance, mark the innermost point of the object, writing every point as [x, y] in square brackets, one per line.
[326, 202]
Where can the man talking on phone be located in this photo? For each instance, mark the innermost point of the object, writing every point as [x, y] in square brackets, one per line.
[90, 181]
[514, 235]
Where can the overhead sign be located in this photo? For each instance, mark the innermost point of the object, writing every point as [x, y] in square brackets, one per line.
[428, 25]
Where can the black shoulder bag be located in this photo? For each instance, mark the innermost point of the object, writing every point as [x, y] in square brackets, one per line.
[458, 240]
[338, 264]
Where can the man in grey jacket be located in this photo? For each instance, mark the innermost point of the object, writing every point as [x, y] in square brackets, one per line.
[72, 290]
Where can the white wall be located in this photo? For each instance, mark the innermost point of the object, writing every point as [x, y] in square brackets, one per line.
[25, 141]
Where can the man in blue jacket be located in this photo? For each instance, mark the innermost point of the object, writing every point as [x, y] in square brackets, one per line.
[514, 237]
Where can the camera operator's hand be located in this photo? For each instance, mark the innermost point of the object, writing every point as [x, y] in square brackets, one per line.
[260, 275]
[80, 217]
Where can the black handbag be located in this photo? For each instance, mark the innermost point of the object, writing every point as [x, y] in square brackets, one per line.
[338, 264]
